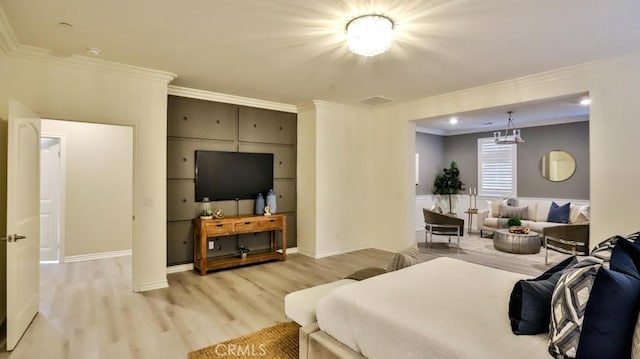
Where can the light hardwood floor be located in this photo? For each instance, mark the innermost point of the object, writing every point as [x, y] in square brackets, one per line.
[87, 309]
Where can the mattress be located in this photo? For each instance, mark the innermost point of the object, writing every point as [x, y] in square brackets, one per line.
[444, 308]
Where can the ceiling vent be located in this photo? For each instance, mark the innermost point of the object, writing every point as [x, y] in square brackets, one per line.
[375, 100]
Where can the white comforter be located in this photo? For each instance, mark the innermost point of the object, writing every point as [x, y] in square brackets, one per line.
[444, 308]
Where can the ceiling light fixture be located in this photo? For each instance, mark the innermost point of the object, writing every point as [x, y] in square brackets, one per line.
[453, 120]
[585, 101]
[369, 35]
[507, 139]
[92, 51]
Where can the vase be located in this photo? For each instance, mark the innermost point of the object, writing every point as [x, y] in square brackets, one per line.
[259, 204]
[271, 201]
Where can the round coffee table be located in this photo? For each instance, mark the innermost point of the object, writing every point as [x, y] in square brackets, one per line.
[505, 241]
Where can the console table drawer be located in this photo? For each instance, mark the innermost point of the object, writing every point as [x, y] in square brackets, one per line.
[271, 223]
[216, 229]
[247, 226]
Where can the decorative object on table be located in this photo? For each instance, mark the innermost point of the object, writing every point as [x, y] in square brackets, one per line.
[243, 252]
[473, 198]
[515, 226]
[259, 204]
[271, 201]
[508, 139]
[218, 213]
[267, 210]
[448, 182]
[206, 212]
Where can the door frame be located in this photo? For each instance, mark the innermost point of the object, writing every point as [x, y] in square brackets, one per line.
[62, 190]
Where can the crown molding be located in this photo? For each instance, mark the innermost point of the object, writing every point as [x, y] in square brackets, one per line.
[10, 46]
[232, 99]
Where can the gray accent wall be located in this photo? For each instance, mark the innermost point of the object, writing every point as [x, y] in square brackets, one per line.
[431, 150]
[571, 137]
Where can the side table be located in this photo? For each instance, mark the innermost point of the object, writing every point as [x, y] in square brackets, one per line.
[471, 212]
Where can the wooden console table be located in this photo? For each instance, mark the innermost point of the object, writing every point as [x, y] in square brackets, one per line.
[206, 228]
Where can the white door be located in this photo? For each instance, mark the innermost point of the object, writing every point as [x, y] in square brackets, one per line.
[49, 198]
[23, 221]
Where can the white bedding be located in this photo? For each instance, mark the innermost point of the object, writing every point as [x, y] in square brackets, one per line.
[444, 308]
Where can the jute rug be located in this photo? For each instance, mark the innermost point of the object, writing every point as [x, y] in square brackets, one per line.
[277, 342]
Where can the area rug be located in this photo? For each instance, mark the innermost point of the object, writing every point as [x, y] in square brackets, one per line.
[279, 341]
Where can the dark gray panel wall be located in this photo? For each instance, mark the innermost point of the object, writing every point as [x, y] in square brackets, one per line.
[203, 125]
[572, 137]
[431, 150]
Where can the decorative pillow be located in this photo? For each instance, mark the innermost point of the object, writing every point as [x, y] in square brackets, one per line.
[568, 304]
[508, 212]
[494, 207]
[404, 258]
[579, 214]
[530, 301]
[365, 273]
[612, 310]
[559, 214]
[512, 202]
[604, 249]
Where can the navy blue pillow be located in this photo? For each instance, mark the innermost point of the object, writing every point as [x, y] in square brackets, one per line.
[530, 300]
[559, 214]
[612, 310]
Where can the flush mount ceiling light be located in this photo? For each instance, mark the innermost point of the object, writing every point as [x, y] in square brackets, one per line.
[585, 101]
[507, 139]
[369, 35]
[453, 120]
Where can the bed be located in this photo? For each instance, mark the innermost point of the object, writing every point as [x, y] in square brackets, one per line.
[444, 308]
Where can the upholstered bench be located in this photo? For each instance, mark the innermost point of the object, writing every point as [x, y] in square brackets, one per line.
[300, 306]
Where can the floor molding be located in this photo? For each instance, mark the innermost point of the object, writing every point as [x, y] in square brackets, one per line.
[153, 285]
[92, 256]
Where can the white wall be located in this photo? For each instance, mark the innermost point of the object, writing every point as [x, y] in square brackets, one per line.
[98, 186]
[83, 90]
[613, 86]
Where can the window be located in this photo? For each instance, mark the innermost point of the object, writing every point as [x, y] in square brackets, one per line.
[496, 169]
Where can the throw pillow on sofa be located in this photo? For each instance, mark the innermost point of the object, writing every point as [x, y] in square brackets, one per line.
[612, 311]
[568, 304]
[559, 214]
[530, 300]
[494, 206]
[508, 212]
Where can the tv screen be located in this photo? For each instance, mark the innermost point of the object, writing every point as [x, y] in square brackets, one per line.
[232, 175]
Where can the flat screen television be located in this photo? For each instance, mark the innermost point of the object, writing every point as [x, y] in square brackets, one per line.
[224, 176]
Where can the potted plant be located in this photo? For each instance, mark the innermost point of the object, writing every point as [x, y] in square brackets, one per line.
[243, 252]
[448, 182]
[515, 225]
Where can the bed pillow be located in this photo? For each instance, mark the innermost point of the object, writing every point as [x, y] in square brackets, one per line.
[559, 214]
[530, 301]
[612, 311]
[403, 259]
[568, 305]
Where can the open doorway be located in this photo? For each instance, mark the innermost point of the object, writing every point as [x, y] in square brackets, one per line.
[51, 187]
[86, 191]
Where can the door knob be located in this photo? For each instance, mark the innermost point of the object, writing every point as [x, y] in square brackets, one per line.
[17, 236]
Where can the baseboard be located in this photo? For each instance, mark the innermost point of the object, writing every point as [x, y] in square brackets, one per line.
[92, 256]
[180, 268]
[291, 250]
[153, 285]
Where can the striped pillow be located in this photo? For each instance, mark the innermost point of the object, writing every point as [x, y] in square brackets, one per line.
[508, 212]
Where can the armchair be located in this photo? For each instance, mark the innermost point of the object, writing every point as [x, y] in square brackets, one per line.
[442, 224]
[566, 238]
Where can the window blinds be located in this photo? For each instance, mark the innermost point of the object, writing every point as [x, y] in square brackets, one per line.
[496, 169]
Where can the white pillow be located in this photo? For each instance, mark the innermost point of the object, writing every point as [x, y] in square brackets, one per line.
[579, 214]
[494, 207]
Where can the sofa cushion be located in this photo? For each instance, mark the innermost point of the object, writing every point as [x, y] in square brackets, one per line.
[612, 310]
[558, 213]
[568, 305]
[542, 211]
[508, 212]
[530, 301]
[494, 206]
[579, 214]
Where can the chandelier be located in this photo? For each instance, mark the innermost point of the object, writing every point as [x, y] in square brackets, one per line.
[508, 139]
[369, 35]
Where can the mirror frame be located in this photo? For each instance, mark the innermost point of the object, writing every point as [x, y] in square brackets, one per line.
[540, 163]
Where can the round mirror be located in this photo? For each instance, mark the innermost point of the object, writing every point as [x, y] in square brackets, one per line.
[557, 166]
